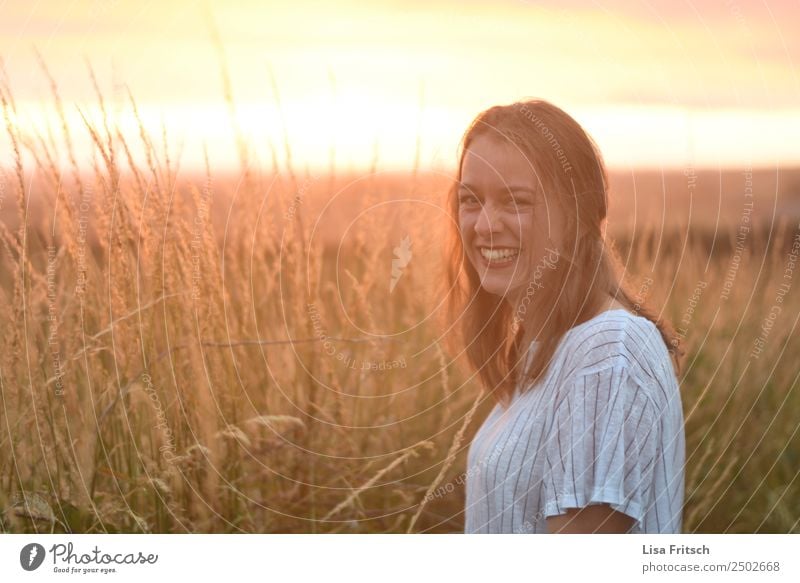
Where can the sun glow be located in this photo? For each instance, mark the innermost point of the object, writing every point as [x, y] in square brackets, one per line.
[348, 85]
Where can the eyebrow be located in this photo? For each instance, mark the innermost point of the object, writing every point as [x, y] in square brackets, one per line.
[517, 188]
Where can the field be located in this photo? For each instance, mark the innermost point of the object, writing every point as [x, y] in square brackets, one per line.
[231, 353]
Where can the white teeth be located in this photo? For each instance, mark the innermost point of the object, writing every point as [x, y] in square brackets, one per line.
[498, 254]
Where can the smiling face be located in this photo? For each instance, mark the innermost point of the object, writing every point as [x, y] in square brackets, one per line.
[504, 218]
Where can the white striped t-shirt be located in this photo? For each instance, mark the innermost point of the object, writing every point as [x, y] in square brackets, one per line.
[605, 425]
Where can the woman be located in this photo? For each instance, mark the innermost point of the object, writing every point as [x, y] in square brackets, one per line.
[587, 431]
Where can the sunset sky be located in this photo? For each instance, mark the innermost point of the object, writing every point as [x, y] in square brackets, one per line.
[657, 83]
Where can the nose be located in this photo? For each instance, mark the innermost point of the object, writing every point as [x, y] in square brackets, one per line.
[488, 221]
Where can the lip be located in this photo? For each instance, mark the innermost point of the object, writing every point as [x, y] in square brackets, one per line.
[479, 246]
[496, 266]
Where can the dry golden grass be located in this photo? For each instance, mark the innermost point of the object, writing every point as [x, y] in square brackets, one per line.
[185, 386]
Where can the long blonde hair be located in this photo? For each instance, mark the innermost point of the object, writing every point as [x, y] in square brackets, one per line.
[570, 169]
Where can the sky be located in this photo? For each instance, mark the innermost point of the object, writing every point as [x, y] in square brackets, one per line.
[657, 83]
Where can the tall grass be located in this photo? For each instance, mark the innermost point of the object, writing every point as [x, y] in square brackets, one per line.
[184, 355]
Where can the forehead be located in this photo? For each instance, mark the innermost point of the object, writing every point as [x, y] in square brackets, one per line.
[492, 163]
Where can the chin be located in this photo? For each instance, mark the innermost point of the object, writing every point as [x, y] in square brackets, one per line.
[497, 284]
[498, 288]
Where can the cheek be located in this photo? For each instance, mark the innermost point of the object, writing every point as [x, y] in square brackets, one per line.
[527, 227]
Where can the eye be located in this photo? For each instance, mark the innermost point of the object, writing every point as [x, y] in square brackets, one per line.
[468, 199]
[519, 203]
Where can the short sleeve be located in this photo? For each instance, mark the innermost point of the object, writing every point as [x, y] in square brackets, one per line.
[601, 445]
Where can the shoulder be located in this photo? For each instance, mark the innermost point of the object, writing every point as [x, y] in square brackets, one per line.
[617, 339]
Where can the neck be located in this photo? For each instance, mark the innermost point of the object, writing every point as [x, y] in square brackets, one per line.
[527, 317]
